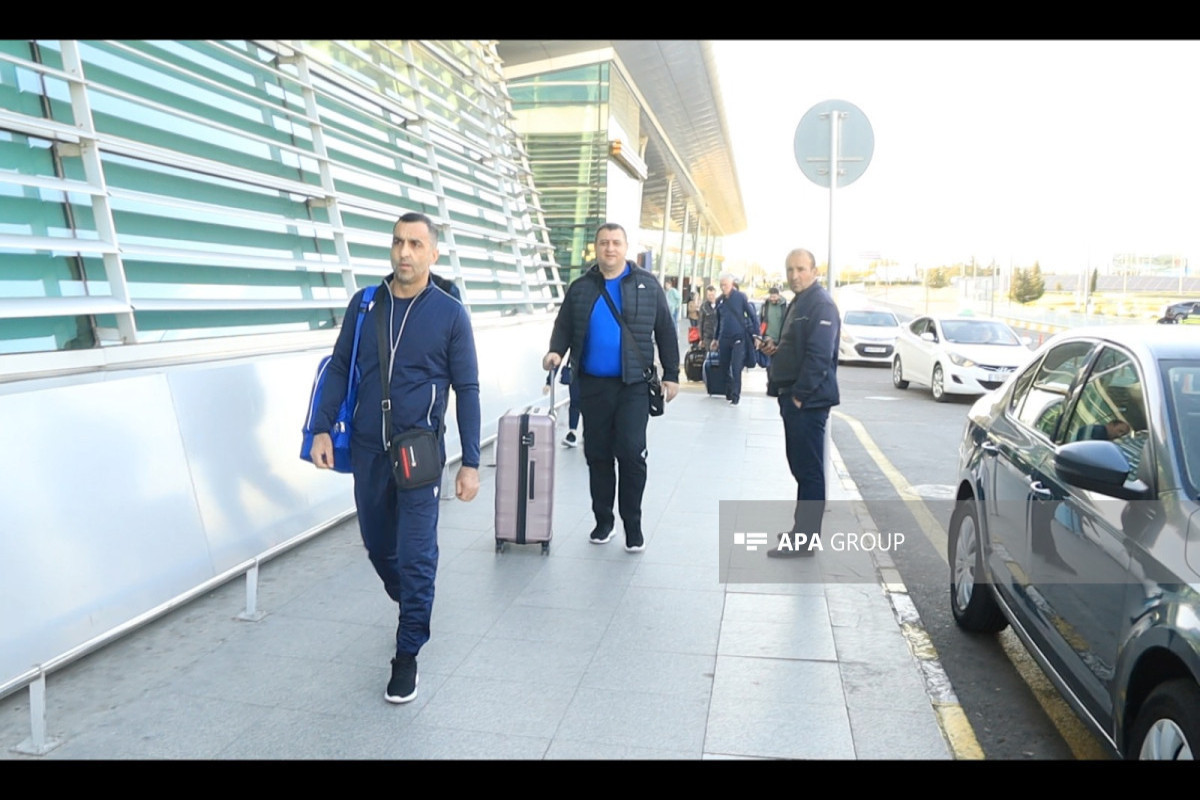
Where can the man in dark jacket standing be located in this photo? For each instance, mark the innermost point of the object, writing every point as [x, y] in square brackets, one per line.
[803, 375]
[737, 323]
[611, 369]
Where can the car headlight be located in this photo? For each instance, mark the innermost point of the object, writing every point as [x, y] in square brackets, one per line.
[847, 338]
[960, 360]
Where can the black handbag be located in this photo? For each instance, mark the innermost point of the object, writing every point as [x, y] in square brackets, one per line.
[658, 403]
[415, 454]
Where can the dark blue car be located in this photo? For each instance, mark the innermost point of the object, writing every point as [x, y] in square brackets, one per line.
[1077, 522]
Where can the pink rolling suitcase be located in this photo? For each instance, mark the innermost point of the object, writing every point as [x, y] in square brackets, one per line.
[525, 448]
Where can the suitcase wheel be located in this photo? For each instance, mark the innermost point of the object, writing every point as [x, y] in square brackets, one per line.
[545, 548]
[499, 546]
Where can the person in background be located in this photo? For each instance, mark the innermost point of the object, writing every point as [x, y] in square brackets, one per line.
[693, 307]
[708, 318]
[673, 298]
[565, 377]
[773, 310]
[737, 323]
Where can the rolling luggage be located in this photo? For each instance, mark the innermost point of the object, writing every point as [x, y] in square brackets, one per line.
[715, 378]
[525, 448]
[693, 363]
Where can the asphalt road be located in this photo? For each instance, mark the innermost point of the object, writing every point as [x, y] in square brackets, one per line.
[901, 448]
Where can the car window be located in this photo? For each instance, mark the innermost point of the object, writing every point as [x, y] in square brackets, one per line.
[919, 326]
[1111, 406]
[873, 319]
[1045, 395]
[979, 332]
[1021, 387]
[1183, 397]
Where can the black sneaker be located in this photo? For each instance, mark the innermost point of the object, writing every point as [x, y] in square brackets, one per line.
[634, 542]
[570, 440]
[601, 534]
[402, 688]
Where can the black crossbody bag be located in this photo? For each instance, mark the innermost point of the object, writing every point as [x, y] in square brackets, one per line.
[650, 372]
[415, 454]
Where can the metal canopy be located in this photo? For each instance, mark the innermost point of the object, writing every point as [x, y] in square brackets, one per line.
[682, 115]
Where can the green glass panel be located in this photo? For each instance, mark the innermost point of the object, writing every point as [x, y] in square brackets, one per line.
[42, 334]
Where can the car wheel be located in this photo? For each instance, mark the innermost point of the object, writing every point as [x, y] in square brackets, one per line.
[971, 600]
[898, 374]
[1168, 726]
[938, 384]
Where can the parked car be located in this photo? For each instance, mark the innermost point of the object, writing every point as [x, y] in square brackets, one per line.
[1077, 522]
[1178, 312]
[867, 335]
[957, 355]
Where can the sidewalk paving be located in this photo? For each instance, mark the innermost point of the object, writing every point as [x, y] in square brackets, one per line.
[589, 652]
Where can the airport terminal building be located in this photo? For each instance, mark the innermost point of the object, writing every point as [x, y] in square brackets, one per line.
[182, 224]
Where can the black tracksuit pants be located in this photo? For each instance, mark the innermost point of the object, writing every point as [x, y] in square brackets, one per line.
[614, 419]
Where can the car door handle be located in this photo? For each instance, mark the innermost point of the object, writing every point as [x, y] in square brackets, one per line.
[1037, 488]
[990, 448]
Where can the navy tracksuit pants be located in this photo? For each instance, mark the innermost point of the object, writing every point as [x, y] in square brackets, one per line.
[804, 437]
[399, 530]
[733, 357]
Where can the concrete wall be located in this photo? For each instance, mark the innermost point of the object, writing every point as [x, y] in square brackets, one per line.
[125, 489]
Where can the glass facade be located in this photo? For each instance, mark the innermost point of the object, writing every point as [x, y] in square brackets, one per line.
[564, 117]
[158, 191]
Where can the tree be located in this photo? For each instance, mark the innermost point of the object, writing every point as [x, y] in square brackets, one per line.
[1037, 284]
[1095, 277]
[936, 278]
[1027, 284]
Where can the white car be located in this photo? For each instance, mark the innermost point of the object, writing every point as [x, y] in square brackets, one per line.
[867, 335]
[957, 355]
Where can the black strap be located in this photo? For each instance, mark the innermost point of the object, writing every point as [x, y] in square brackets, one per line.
[646, 370]
[385, 375]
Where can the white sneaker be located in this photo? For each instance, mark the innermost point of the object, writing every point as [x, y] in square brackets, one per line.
[570, 440]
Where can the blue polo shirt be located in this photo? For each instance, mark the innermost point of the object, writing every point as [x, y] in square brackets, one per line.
[602, 355]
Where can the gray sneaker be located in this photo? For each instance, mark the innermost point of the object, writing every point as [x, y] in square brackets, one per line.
[570, 440]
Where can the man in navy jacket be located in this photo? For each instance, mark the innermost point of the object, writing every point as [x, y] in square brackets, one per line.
[431, 349]
[803, 375]
[610, 368]
[737, 323]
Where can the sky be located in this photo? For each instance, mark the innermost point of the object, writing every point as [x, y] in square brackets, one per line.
[1055, 151]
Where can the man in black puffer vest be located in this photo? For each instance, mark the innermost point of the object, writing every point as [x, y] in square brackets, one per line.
[613, 393]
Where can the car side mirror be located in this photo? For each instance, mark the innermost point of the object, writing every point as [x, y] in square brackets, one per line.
[1098, 466]
[1027, 340]
[928, 337]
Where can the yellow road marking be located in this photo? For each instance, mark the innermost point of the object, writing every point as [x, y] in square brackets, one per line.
[928, 523]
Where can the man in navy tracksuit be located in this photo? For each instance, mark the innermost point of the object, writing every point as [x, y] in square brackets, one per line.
[430, 349]
[803, 375]
[610, 368]
[737, 322]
